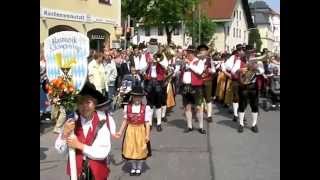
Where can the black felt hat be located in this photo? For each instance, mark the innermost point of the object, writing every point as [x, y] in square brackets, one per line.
[137, 91]
[239, 47]
[90, 90]
[202, 46]
[153, 41]
[191, 48]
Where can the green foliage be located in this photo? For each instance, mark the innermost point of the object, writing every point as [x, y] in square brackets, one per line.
[166, 13]
[208, 28]
[254, 38]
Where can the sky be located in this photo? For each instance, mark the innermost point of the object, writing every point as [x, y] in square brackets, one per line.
[273, 4]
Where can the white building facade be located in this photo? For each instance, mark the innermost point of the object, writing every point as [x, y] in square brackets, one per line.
[276, 32]
[233, 21]
[144, 34]
[232, 31]
[268, 23]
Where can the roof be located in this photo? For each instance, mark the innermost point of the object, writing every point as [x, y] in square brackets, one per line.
[259, 5]
[260, 18]
[223, 10]
[262, 6]
[218, 9]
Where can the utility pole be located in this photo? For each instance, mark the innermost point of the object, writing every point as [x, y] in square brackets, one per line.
[125, 32]
[183, 25]
[199, 21]
[193, 23]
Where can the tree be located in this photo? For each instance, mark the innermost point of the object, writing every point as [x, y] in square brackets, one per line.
[255, 39]
[207, 29]
[160, 13]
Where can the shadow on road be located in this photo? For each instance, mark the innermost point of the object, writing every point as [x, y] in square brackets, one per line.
[114, 162]
[127, 167]
[229, 123]
[42, 154]
[179, 123]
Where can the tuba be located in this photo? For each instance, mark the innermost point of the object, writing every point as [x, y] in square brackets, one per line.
[248, 74]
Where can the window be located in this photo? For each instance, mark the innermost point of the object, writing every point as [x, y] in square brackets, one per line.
[228, 30]
[147, 31]
[239, 33]
[234, 14]
[237, 14]
[160, 31]
[105, 1]
[240, 15]
[234, 32]
[176, 31]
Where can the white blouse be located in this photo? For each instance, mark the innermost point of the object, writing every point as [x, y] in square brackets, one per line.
[136, 109]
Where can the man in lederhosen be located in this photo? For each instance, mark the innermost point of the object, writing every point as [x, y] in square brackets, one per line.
[248, 91]
[230, 67]
[193, 88]
[154, 83]
[209, 70]
[92, 132]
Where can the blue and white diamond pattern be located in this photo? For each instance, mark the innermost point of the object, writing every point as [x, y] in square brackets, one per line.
[80, 70]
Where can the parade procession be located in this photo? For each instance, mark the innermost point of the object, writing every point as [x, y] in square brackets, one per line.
[133, 105]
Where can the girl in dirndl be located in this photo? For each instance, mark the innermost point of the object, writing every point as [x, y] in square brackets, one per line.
[136, 141]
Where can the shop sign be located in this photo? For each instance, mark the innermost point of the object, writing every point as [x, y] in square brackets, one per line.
[59, 14]
[97, 36]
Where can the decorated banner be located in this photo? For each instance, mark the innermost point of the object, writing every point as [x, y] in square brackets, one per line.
[66, 53]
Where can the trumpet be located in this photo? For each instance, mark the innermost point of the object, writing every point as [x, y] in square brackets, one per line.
[263, 58]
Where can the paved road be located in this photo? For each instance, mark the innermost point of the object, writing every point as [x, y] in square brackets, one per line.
[222, 154]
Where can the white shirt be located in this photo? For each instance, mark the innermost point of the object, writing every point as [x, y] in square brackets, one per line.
[260, 69]
[231, 65]
[154, 71]
[164, 63]
[186, 79]
[101, 146]
[136, 109]
[213, 67]
[140, 63]
[111, 72]
[198, 69]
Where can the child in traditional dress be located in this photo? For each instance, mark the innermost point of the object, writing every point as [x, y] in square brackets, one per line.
[136, 127]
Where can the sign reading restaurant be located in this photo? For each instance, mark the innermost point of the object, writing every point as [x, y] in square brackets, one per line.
[71, 16]
[59, 14]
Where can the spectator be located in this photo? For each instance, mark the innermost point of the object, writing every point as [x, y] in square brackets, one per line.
[111, 76]
[275, 88]
[125, 67]
[96, 73]
[44, 108]
[91, 55]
